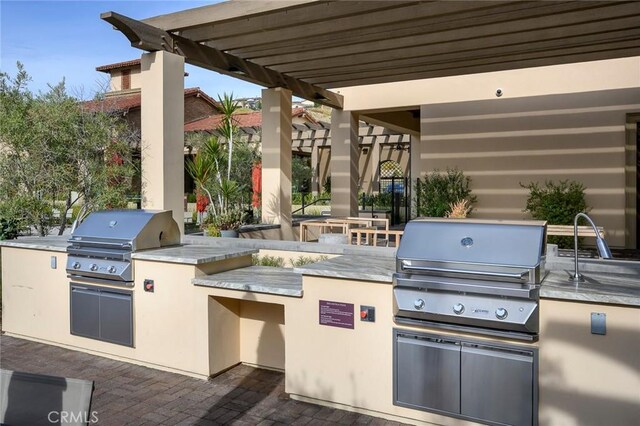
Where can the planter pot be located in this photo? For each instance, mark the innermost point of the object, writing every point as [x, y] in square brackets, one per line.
[229, 233]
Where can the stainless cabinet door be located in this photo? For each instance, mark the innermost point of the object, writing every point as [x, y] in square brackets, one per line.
[427, 373]
[116, 317]
[85, 308]
[497, 384]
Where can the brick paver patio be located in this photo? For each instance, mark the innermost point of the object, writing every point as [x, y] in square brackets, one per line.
[130, 394]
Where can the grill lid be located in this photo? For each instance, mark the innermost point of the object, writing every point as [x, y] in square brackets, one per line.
[127, 230]
[485, 243]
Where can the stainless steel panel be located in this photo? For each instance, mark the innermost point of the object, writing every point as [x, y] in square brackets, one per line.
[127, 229]
[496, 288]
[514, 243]
[427, 373]
[522, 315]
[85, 306]
[109, 269]
[497, 384]
[116, 317]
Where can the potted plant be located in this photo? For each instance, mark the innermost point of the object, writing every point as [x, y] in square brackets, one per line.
[229, 223]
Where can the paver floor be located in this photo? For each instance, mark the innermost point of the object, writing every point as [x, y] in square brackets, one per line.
[130, 394]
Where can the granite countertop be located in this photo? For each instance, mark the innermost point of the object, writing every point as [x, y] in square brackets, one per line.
[297, 246]
[599, 287]
[192, 254]
[364, 268]
[50, 243]
[257, 279]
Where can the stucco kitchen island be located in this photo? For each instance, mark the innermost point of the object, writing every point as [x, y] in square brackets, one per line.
[210, 310]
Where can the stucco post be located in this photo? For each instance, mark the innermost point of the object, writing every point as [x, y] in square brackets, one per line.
[315, 169]
[415, 169]
[375, 165]
[162, 133]
[276, 157]
[344, 163]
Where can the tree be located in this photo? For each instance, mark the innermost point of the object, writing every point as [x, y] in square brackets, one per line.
[228, 127]
[50, 150]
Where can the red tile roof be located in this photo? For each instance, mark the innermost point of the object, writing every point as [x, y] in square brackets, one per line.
[118, 65]
[129, 101]
[247, 119]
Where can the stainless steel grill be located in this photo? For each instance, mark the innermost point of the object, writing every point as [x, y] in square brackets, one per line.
[472, 275]
[101, 246]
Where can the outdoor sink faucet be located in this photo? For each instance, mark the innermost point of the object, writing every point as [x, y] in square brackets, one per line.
[603, 248]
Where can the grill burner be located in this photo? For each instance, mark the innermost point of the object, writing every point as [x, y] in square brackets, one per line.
[101, 246]
[472, 275]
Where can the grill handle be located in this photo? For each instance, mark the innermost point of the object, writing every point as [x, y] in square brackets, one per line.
[521, 276]
[101, 244]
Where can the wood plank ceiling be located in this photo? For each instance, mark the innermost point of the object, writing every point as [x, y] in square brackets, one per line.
[330, 44]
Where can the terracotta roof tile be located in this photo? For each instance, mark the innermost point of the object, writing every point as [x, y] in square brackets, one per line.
[117, 65]
[128, 101]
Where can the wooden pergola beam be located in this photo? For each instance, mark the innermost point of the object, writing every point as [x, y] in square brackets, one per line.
[147, 37]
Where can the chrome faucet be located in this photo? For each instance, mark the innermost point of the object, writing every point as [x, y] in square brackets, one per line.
[601, 244]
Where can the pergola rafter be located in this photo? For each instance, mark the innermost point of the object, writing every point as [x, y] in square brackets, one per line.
[146, 37]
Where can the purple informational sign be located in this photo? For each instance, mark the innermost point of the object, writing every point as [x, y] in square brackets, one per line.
[336, 314]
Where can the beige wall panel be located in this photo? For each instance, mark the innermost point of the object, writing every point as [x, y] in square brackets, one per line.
[501, 143]
[262, 331]
[588, 379]
[224, 333]
[352, 368]
[569, 78]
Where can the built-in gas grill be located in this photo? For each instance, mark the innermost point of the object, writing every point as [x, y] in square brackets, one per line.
[471, 275]
[101, 246]
[461, 280]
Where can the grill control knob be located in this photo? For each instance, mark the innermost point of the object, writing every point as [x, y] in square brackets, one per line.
[112, 269]
[458, 308]
[501, 313]
[76, 265]
[93, 267]
[419, 303]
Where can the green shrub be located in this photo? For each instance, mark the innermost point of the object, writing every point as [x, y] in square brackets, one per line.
[212, 231]
[191, 198]
[9, 228]
[557, 203]
[437, 192]
[306, 260]
[267, 260]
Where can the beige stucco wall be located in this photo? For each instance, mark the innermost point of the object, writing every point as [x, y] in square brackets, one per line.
[569, 78]
[501, 143]
[115, 81]
[584, 379]
[178, 327]
[589, 379]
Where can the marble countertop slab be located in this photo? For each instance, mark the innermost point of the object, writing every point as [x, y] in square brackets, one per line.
[258, 279]
[606, 288]
[50, 243]
[192, 254]
[363, 268]
[297, 246]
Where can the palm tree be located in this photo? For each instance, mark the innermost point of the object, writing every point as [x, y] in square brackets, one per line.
[228, 107]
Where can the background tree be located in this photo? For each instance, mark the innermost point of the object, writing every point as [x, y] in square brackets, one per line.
[54, 155]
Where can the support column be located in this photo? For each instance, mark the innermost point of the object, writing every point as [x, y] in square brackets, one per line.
[375, 165]
[344, 163]
[162, 133]
[315, 169]
[276, 158]
[415, 170]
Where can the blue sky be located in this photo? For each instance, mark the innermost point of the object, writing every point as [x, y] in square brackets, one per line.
[56, 39]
